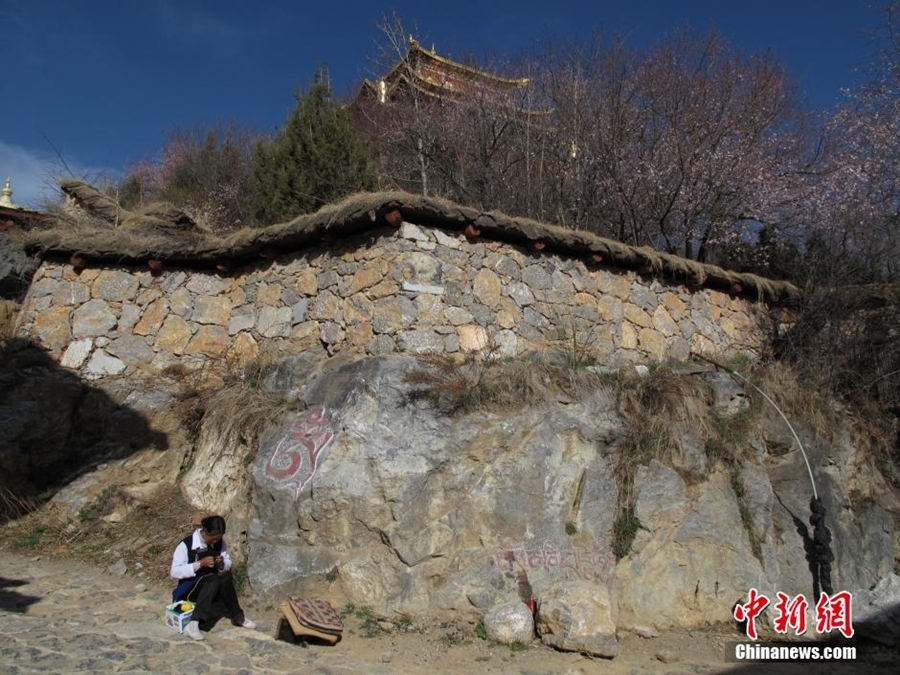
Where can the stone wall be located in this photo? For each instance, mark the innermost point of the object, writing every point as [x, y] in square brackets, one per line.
[410, 290]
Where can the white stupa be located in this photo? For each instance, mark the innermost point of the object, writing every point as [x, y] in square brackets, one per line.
[6, 197]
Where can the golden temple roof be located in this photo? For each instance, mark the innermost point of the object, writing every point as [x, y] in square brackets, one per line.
[440, 77]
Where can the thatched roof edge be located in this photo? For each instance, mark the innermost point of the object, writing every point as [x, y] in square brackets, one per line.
[105, 244]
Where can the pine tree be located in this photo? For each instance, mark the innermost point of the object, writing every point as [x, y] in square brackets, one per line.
[315, 159]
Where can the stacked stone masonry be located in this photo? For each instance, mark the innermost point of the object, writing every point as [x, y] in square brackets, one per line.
[412, 290]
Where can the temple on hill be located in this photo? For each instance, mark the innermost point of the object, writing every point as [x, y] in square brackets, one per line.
[423, 71]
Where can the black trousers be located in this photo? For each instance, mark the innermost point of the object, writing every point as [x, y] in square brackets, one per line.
[214, 598]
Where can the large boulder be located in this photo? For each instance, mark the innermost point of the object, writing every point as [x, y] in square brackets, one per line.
[578, 617]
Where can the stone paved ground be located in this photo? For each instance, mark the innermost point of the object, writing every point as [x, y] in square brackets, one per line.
[61, 616]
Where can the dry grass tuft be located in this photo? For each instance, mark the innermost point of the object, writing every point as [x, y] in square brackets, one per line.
[242, 410]
[799, 398]
[142, 538]
[230, 397]
[495, 384]
[657, 407]
[8, 312]
[14, 506]
[241, 406]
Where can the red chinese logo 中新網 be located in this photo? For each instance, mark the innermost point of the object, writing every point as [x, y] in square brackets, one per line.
[833, 613]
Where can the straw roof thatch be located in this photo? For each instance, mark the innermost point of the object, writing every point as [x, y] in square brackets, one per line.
[165, 235]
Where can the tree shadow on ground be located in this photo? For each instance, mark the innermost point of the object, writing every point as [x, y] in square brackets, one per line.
[55, 426]
[14, 601]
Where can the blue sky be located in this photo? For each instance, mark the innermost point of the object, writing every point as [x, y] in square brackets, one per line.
[102, 83]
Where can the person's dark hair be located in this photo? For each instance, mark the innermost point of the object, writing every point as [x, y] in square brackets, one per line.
[213, 525]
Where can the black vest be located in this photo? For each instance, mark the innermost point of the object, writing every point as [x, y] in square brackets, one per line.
[214, 549]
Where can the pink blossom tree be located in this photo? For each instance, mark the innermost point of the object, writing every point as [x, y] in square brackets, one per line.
[681, 147]
[207, 172]
[859, 210]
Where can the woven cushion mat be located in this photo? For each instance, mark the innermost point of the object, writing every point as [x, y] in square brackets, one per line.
[317, 613]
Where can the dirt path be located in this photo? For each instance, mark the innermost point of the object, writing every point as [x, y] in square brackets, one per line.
[61, 615]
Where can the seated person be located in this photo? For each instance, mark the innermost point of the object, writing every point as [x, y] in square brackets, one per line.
[201, 565]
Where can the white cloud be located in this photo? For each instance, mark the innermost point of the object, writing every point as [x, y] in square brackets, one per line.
[33, 175]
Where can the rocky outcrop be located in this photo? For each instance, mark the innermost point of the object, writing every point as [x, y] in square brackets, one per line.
[409, 510]
[16, 268]
[399, 507]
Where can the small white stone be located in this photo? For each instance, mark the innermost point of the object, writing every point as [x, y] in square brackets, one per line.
[422, 288]
[446, 240]
[76, 353]
[646, 632]
[410, 231]
[667, 657]
[102, 363]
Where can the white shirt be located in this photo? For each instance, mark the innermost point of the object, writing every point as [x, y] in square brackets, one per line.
[182, 569]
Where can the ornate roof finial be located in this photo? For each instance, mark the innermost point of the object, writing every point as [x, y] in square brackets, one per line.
[6, 197]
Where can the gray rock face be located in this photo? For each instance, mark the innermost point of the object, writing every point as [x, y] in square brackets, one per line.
[373, 482]
[692, 560]
[728, 396]
[416, 512]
